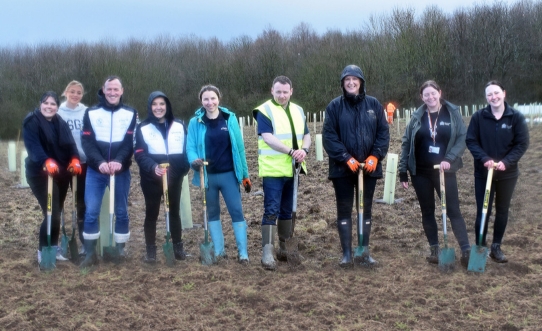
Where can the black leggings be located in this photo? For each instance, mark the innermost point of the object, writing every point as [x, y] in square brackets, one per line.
[152, 191]
[38, 185]
[344, 195]
[425, 186]
[504, 189]
[81, 207]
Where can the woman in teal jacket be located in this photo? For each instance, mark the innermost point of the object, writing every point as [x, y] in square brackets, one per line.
[214, 137]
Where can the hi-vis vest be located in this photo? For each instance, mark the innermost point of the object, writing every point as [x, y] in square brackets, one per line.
[270, 162]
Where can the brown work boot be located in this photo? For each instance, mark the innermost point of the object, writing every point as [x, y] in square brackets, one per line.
[465, 256]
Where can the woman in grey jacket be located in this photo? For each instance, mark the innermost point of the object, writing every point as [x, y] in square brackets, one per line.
[435, 136]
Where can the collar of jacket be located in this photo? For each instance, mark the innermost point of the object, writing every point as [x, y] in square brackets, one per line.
[201, 112]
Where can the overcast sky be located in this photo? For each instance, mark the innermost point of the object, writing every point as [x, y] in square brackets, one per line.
[38, 22]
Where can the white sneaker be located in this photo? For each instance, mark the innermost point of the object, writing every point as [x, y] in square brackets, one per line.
[82, 251]
[39, 257]
[59, 256]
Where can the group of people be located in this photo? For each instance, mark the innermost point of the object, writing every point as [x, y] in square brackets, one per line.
[98, 142]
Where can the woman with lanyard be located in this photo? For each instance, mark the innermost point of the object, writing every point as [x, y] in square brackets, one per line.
[435, 135]
[160, 139]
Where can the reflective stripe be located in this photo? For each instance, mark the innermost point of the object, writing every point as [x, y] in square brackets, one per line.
[268, 152]
[270, 115]
[282, 136]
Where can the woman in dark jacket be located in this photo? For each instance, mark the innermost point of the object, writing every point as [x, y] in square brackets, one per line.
[355, 131]
[497, 137]
[51, 151]
[161, 138]
[435, 135]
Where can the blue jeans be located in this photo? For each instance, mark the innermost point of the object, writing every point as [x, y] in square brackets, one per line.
[226, 183]
[96, 183]
[278, 199]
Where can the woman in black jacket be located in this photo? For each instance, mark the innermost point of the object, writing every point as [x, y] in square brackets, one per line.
[51, 151]
[435, 135]
[497, 137]
[161, 138]
[355, 131]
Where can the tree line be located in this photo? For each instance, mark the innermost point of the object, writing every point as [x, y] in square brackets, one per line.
[397, 52]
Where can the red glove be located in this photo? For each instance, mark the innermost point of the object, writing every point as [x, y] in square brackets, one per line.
[353, 164]
[370, 163]
[51, 166]
[247, 185]
[75, 167]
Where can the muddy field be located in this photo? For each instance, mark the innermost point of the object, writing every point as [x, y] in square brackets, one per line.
[402, 293]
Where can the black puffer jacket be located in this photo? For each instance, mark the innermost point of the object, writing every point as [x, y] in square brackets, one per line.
[152, 149]
[355, 126]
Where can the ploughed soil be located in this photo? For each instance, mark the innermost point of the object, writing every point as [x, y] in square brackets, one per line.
[403, 292]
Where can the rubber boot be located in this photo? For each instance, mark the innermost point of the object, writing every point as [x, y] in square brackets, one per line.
[217, 236]
[268, 246]
[366, 258]
[433, 257]
[344, 227]
[178, 251]
[90, 258]
[120, 249]
[465, 256]
[284, 230]
[240, 233]
[151, 254]
[496, 254]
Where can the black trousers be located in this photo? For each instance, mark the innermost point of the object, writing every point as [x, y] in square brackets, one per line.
[38, 185]
[344, 195]
[152, 191]
[501, 191]
[425, 187]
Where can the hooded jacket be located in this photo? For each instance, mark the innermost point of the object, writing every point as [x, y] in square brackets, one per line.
[152, 149]
[505, 139]
[454, 150]
[355, 126]
[108, 133]
[195, 147]
[43, 142]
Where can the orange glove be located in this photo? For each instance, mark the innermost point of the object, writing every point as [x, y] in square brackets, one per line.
[75, 167]
[51, 166]
[353, 164]
[247, 185]
[370, 163]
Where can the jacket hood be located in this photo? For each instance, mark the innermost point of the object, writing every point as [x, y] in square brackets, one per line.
[169, 111]
[354, 70]
[103, 101]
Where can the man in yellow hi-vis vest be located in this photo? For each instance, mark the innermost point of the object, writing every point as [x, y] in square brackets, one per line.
[283, 136]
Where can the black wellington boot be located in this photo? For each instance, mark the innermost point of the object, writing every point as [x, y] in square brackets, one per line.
[91, 258]
[284, 229]
[433, 257]
[344, 227]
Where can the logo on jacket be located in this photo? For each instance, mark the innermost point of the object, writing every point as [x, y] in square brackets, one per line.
[442, 123]
[224, 128]
[506, 127]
